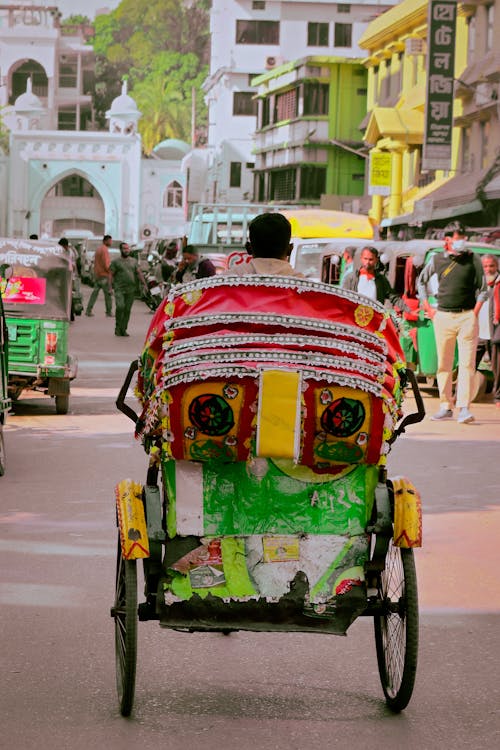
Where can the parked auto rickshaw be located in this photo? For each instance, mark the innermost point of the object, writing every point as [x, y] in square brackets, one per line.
[269, 405]
[4, 398]
[419, 342]
[36, 286]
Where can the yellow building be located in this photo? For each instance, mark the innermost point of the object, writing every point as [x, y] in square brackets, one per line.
[394, 127]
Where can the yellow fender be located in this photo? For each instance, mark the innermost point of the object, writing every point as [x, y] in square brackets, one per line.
[407, 513]
[131, 520]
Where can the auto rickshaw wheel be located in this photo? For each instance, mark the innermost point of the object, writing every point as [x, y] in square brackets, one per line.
[62, 403]
[125, 616]
[2, 452]
[396, 629]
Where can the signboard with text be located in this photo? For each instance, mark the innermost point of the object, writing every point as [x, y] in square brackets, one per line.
[441, 27]
[379, 182]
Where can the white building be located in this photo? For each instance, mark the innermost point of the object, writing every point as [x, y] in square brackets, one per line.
[248, 38]
[62, 173]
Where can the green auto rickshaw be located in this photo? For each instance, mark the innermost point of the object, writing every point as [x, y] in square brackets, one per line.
[36, 286]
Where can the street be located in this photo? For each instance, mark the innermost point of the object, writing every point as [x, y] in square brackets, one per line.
[254, 691]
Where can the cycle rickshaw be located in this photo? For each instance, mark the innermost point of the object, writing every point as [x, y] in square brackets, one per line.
[269, 406]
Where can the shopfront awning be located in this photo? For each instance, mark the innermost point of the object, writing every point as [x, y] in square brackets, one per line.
[455, 198]
[492, 189]
[398, 124]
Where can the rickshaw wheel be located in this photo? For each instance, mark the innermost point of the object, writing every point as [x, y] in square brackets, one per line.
[396, 630]
[125, 616]
[62, 404]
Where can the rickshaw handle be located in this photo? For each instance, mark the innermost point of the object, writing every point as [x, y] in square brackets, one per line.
[120, 401]
[418, 415]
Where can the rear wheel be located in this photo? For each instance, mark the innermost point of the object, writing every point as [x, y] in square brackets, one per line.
[125, 616]
[396, 630]
[62, 404]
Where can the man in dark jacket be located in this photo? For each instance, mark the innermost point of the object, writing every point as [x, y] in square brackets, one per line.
[192, 266]
[368, 280]
[461, 293]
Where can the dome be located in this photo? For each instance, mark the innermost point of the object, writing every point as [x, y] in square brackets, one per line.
[123, 105]
[28, 102]
[171, 148]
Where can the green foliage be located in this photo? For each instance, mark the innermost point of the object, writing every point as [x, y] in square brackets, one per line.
[76, 20]
[163, 47]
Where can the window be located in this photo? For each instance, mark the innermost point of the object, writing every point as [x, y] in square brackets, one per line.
[257, 32]
[490, 18]
[244, 103]
[387, 79]
[317, 35]
[235, 174]
[375, 83]
[250, 164]
[172, 197]
[471, 39]
[484, 129]
[73, 186]
[343, 35]
[343, 8]
[68, 69]
[361, 92]
[312, 182]
[315, 99]
[465, 150]
[266, 112]
[283, 185]
[66, 119]
[285, 107]
[258, 5]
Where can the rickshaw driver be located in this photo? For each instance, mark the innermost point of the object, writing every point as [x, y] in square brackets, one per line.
[269, 248]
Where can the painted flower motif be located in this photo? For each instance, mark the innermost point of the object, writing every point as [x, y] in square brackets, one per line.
[168, 436]
[326, 396]
[363, 315]
[231, 440]
[362, 439]
[190, 298]
[190, 433]
[230, 391]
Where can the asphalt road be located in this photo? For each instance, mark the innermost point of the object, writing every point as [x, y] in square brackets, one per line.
[247, 691]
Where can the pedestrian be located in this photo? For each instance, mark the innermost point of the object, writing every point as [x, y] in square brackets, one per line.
[460, 294]
[368, 280]
[102, 277]
[348, 262]
[169, 262]
[192, 266]
[126, 276]
[269, 247]
[76, 290]
[489, 324]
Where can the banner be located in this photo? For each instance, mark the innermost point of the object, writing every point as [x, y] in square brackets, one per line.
[441, 26]
[379, 182]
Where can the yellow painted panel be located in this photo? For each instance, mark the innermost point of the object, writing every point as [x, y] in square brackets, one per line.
[407, 514]
[131, 520]
[278, 421]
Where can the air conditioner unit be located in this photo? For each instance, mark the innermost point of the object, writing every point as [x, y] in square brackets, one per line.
[273, 61]
[148, 232]
[414, 46]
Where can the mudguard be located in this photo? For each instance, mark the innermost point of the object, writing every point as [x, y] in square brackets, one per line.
[131, 520]
[407, 513]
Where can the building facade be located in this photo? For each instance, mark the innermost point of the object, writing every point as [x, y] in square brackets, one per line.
[308, 142]
[248, 38]
[59, 172]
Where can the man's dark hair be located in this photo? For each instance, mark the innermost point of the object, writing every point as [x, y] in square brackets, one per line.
[371, 249]
[270, 236]
[122, 244]
[33, 236]
[191, 249]
[350, 251]
[63, 242]
[107, 237]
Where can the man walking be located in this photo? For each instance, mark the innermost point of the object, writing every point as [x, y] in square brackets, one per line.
[102, 277]
[126, 275]
[369, 281]
[460, 295]
[489, 323]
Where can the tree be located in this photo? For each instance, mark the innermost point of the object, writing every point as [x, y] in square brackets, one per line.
[148, 40]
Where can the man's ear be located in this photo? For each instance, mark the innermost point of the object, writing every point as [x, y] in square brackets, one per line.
[289, 250]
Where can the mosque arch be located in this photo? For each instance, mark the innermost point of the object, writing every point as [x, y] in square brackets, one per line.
[96, 209]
